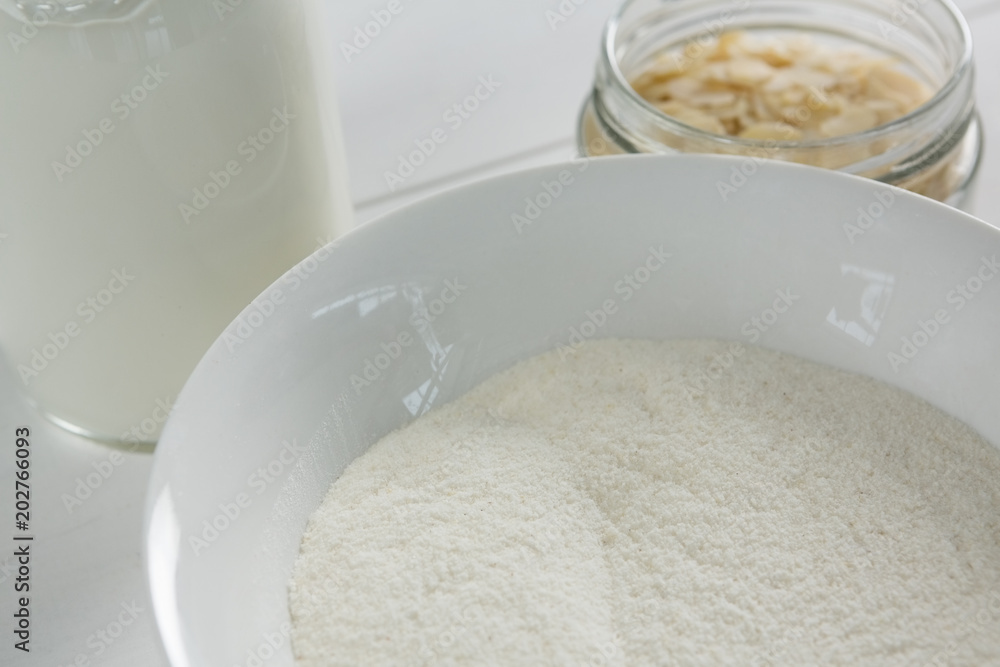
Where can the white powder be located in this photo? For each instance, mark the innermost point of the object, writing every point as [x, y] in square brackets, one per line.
[601, 511]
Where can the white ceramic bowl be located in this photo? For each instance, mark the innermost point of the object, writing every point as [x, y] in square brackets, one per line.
[271, 416]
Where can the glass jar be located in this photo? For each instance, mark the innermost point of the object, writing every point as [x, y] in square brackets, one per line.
[163, 162]
[934, 150]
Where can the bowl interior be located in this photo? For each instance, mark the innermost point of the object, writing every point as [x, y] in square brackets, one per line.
[413, 310]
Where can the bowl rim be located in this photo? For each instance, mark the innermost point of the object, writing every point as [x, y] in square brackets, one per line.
[167, 616]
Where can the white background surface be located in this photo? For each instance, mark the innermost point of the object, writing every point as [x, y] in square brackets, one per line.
[87, 564]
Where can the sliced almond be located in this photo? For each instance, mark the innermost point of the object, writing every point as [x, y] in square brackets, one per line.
[729, 45]
[749, 72]
[693, 117]
[912, 92]
[787, 85]
[776, 131]
[851, 120]
[887, 110]
[716, 101]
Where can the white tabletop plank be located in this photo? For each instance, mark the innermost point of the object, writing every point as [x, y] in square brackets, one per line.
[976, 8]
[432, 56]
[986, 198]
[87, 562]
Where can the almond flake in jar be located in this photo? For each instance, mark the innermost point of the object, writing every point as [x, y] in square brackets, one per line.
[787, 88]
[816, 82]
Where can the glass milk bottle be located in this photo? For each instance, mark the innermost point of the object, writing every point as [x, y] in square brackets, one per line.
[161, 163]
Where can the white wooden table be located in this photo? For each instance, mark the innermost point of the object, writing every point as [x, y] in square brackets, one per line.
[87, 573]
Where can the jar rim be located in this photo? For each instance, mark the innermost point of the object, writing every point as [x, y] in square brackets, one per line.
[632, 97]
